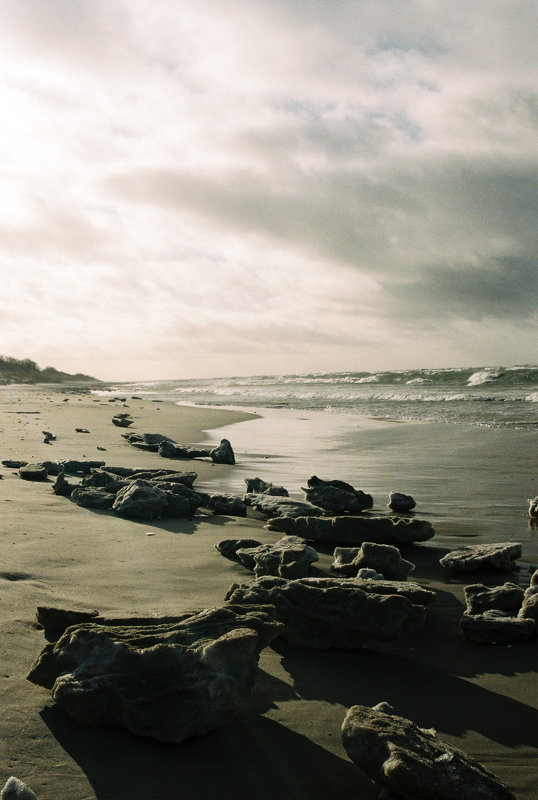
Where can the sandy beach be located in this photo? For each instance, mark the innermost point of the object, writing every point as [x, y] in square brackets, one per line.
[286, 741]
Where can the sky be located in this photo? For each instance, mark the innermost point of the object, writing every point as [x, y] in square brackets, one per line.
[238, 187]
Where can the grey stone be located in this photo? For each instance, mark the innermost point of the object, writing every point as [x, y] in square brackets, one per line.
[223, 453]
[33, 472]
[290, 557]
[168, 681]
[337, 497]
[105, 479]
[496, 627]
[156, 438]
[58, 619]
[414, 592]
[15, 789]
[13, 464]
[227, 504]
[272, 506]
[479, 598]
[141, 500]
[355, 530]
[325, 613]
[529, 608]
[61, 486]
[93, 497]
[384, 558]
[229, 547]
[259, 486]
[122, 421]
[533, 508]
[500, 556]
[412, 762]
[401, 502]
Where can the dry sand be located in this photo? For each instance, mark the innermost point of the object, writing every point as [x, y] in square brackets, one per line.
[286, 741]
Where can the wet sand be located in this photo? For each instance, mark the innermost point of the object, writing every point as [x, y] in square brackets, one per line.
[286, 741]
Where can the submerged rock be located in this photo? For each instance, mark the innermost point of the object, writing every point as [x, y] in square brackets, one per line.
[325, 613]
[401, 502]
[501, 556]
[384, 558]
[411, 761]
[169, 681]
[355, 530]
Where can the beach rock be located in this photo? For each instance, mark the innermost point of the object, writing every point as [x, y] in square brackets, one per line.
[33, 472]
[48, 437]
[167, 449]
[93, 497]
[276, 506]
[229, 547]
[325, 613]
[290, 557]
[156, 438]
[122, 420]
[496, 627]
[61, 486]
[499, 556]
[411, 761]
[105, 479]
[85, 430]
[141, 500]
[74, 467]
[182, 501]
[58, 619]
[384, 558]
[337, 497]
[12, 464]
[479, 598]
[259, 486]
[529, 608]
[223, 453]
[168, 681]
[414, 592]
[354, 530]
[367, 573]
[15, 789]
[533, 508]
[401, 502]
[226, 504]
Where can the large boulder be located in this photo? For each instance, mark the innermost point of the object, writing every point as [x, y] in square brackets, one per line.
[15, 789]
[354, 530]
[501, 556]
[325, 613]
[259, 486]
[400, 502]
[384, 558]
[411, 761]
[222, 453]
[168, 681]
[337, 497]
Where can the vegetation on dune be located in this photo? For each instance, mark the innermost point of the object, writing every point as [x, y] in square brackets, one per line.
[14, 370]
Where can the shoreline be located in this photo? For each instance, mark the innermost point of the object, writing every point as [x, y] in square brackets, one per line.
[287, 739]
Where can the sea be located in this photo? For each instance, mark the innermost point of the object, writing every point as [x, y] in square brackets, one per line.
[462, 441]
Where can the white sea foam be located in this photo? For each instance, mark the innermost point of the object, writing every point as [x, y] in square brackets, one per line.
[479, 378]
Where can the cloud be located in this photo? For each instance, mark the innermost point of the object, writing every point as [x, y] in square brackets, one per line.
[318, 182]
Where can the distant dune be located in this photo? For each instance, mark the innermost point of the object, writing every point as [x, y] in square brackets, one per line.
[13, 370]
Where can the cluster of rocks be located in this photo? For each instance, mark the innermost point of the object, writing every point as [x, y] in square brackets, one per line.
[167, 448]
[503, 614]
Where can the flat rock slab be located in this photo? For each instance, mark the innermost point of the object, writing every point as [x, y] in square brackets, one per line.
[325, 613]
[354, 530]
[290, 557]
[415, 593]
[167, 681]
[412, 762]
[495, 627]
[479, 598]
[384, 558]
[33, 472]
[275, 506]
[500, 556]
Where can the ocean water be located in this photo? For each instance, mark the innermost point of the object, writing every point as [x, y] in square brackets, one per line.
[488, 396]
[462, 442]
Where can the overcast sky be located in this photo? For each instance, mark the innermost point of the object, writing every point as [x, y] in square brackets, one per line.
[231, 187]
